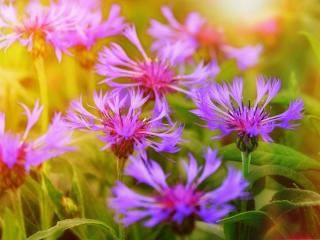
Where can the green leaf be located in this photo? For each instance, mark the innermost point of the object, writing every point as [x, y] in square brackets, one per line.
[314, 42]
[273, 170]
[71, 223]
[252, 218]
[273, 154]
[289, 199]
[55, 196]
[10, 226]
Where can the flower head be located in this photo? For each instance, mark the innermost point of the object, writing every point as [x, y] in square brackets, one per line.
[93, 27]
[222, 107]
[18, 154]
[196, 33]
[156, 76]
[41, 26]
[179, 204]
[122, 126]
[246, 57]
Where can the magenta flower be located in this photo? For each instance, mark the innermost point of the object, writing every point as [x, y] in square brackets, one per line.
[156, 76]
[41, 26]
[196, 33]
[93, 27]
[179, 204]
[120, 122]
[222, 107]
[18, 154]
[246, 57]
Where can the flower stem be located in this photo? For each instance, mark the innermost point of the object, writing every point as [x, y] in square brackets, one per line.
[16, 201]
[44, 201]
[43, 86]
[246, 159]
[120, 166]
[91, 82]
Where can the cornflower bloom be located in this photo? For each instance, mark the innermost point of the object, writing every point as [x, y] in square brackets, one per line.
[93, 27]
[179, 204]
[41, 26]
[155, 77]
[120, 122]
[18, 154]
[223, 108]
[196, 33]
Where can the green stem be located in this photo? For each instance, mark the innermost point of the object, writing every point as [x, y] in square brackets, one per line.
[16, 201]
[44, 201]
[43, 86]
[91, 82]
[246, 159]
[120, 166]
[71, 77]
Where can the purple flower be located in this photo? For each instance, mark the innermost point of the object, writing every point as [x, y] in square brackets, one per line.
[177, 32]
[222, 107]
[196, 33]
[18, 154]
[119, 120]
[156, 76]
[179, 204]
[41, 26]
[246, 57]
[93, 27]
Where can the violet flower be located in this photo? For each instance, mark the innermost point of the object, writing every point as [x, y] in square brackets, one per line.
[41, 26]
[246, 57]
[178, 204]
[121, 125]
[93, 27]
[155, 76]
[18, 154]
[222, 107]
[196, 33]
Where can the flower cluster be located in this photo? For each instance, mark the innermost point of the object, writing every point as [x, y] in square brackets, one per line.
[196, 34]
[222, 107]
[182, 203]
[62, 25]
[18, 154]
[121, 123]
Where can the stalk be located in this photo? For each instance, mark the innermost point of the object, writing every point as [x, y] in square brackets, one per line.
[44, 202]
[16, 202]
[43, 86]
[246, 159]
[91, 82]
[120, 166]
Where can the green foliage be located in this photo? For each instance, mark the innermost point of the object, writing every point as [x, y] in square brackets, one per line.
[71, 223]
[273, 154]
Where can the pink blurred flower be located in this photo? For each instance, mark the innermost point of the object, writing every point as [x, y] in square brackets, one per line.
[18, 155]
[246, 57]
[196, 33]
[41, 26]
[93, 27]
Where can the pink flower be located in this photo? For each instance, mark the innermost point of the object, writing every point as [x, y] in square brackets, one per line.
[156, 76]
[18, 154]
[93, 27]
[119, 120]
[196, 33]
[41, 26]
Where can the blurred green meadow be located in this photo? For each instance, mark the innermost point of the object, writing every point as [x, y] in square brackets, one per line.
[77, 184]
